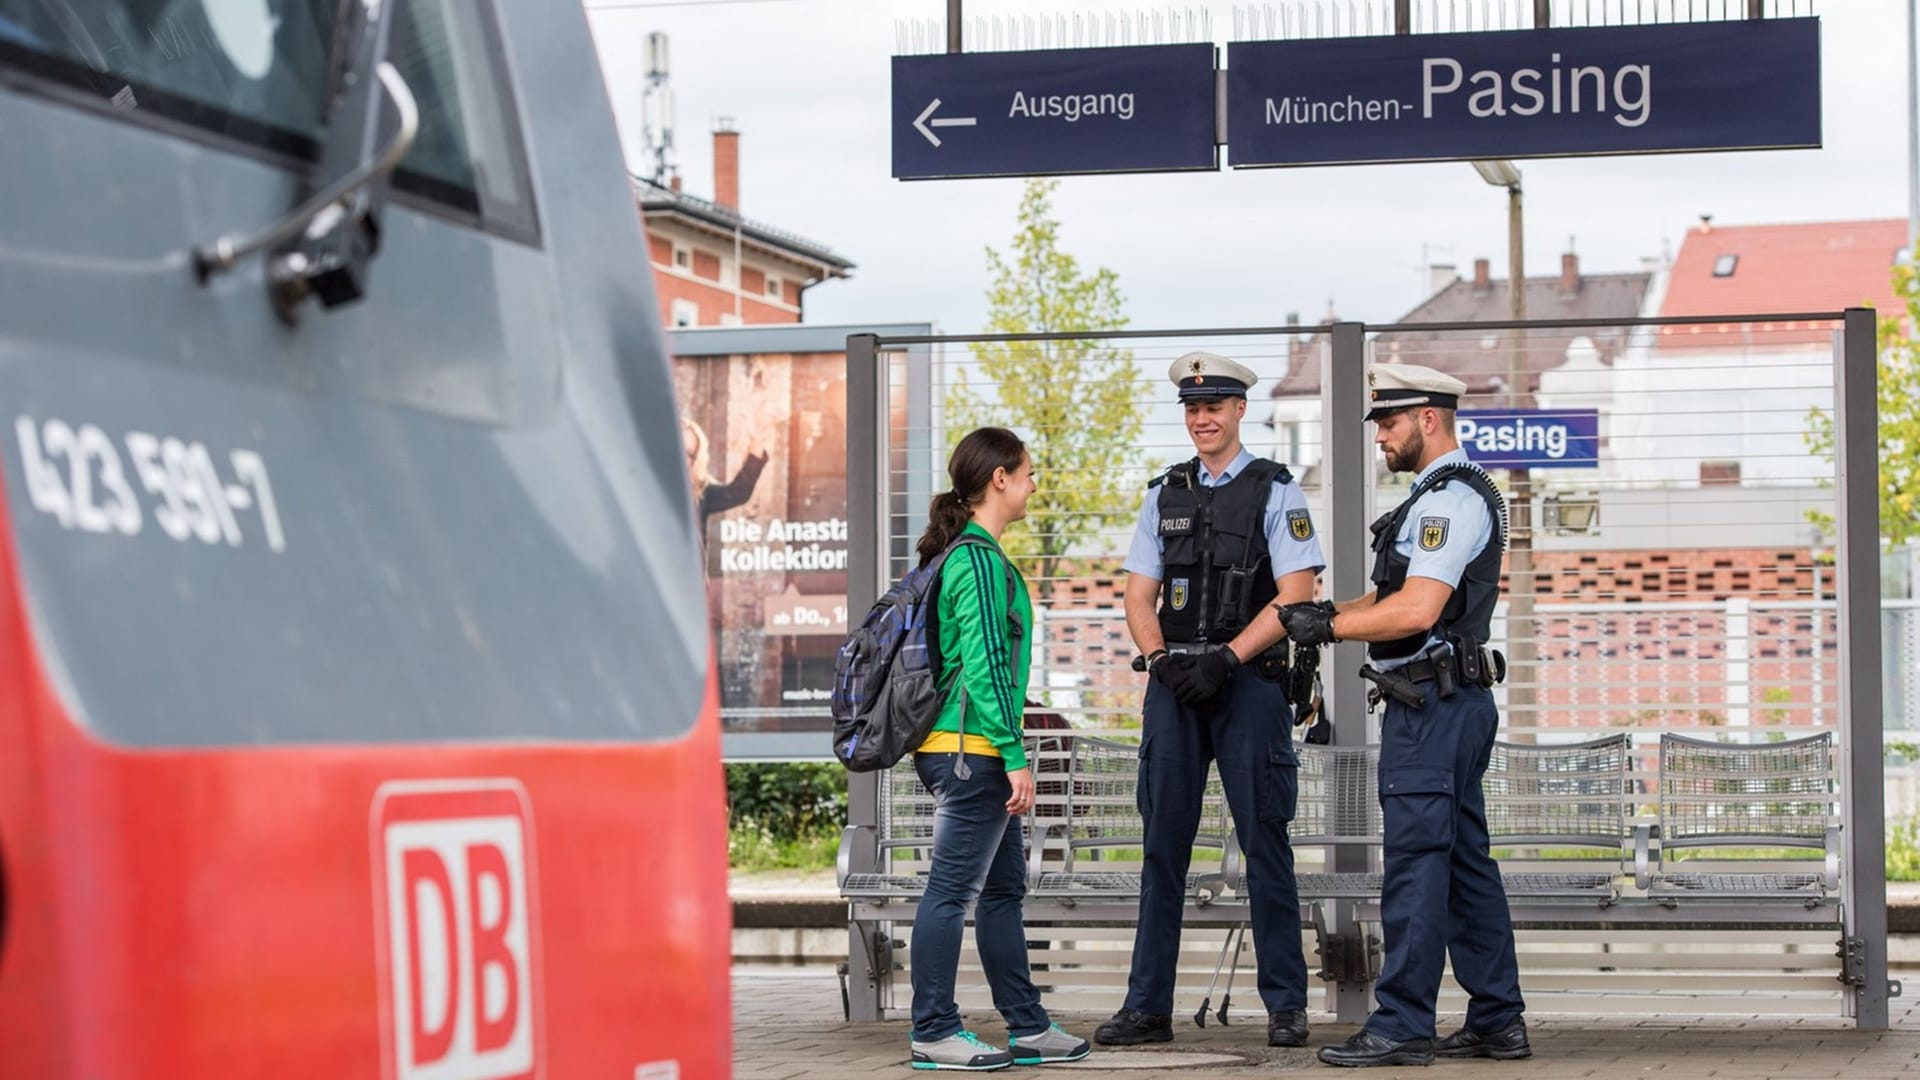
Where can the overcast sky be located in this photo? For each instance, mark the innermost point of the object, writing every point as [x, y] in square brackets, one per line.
[807, 82]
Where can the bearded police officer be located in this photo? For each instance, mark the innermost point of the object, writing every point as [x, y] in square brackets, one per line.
[1220, 538]
[1436, 576]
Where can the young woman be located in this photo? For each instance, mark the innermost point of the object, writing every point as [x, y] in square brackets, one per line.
[710, 496]
[978, 850]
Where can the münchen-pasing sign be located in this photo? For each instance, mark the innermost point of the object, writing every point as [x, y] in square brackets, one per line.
[1530, 438]
[1746, 85]
[1666, 88]
[1142, 108]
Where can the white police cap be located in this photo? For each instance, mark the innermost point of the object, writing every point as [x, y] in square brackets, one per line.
[1205, 376]
[1392, 387]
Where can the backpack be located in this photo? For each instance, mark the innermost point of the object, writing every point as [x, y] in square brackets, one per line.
[888, 682]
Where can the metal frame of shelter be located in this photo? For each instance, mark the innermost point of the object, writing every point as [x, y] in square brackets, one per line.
[1348, 477]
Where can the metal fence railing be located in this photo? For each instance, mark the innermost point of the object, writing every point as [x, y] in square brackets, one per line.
[1693, 553]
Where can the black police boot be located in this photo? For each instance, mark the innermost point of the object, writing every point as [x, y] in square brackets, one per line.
[1287, 1028]
[1507, 1044]
[1130, 1027]
[1367, 1049]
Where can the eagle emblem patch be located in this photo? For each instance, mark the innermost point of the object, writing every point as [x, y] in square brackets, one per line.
[1433, 533]
[1179, 596]
[1300, 524]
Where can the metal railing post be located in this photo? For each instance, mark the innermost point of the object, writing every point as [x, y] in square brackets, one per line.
[1349, 467]
[866, 528]
[1862, 777]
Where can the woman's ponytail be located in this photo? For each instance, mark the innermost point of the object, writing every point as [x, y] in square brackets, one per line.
[974, 461]
[947, 517]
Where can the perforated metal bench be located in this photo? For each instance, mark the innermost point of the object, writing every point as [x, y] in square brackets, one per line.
[1561, 796]
[1086, 821]
[1719, 802]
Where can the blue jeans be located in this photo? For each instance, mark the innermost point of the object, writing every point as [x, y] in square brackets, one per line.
[979, 853]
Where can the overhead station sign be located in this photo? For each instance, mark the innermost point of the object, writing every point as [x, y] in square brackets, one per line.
[1747, 85]
[1144, 108]
[1530, 438]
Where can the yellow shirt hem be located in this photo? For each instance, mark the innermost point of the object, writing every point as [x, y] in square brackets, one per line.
[946, 742]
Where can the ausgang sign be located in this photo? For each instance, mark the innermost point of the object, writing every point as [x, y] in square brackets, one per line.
[1747, 85]
[1142, 108]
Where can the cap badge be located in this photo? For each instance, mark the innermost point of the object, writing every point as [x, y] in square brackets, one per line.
[1196, 365]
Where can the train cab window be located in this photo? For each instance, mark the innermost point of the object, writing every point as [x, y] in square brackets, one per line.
[469, 156]
[252, 70]
[259, 71]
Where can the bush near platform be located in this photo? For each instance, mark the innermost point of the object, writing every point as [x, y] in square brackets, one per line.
[785, 816]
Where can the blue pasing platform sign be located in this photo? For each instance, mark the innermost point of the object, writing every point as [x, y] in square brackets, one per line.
[1132, 109]
[1747, 85]
[1530, 438]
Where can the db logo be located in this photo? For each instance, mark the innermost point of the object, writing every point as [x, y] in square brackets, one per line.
[460, 963]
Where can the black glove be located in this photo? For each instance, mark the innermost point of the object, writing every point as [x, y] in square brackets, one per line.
[1175, 672]
[1309, 624]
[1210, 673]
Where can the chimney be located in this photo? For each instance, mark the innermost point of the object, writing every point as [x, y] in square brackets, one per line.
[1441, 275]
[1482, 275]
[1570, 273]
[673, 182]
[726, 165]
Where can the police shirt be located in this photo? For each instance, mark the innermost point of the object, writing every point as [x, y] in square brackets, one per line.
[1286, 549]
[1441, 535]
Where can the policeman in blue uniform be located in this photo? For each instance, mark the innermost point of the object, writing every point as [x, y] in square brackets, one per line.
[1220, 538]
[1436, 575]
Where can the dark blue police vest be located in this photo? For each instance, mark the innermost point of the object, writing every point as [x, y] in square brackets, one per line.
[1216, 571]
[1469, 611]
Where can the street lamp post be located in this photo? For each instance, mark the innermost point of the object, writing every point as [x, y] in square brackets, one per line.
[1520, 639]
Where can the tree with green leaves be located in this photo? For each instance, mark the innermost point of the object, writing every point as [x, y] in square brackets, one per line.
[1074, 399]
[1899, 400]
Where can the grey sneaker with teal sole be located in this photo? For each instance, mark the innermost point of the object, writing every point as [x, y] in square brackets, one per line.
[962, 1050]
[1049, 1047]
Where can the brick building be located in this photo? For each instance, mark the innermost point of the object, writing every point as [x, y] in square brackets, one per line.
[714, 267]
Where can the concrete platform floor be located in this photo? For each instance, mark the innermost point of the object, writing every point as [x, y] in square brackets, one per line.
[787, 1026]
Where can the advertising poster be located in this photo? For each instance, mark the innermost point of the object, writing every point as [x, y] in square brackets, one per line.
[767, 451]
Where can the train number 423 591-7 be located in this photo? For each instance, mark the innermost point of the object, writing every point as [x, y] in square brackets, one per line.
[76, 475]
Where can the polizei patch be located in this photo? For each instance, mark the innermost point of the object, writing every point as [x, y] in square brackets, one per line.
[1300, 524]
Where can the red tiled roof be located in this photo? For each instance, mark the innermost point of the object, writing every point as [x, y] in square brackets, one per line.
[1816, 266]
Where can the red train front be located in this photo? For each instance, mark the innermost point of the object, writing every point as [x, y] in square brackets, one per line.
[354, 674]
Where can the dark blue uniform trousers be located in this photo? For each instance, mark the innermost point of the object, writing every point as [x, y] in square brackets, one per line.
[1247, 728]
[1442, 896]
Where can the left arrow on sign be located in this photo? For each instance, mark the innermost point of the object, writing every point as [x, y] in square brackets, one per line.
[920, 123]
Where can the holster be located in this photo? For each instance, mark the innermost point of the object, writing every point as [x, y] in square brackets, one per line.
[1394, 685]
[1446, 681]
[1273, 665]
[1476, 664]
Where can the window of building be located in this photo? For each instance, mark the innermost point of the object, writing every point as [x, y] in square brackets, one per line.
[1286, 441]
[1719, 474]
[1723, 266]
[685, 313]
[773, 287]
[682, 257]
